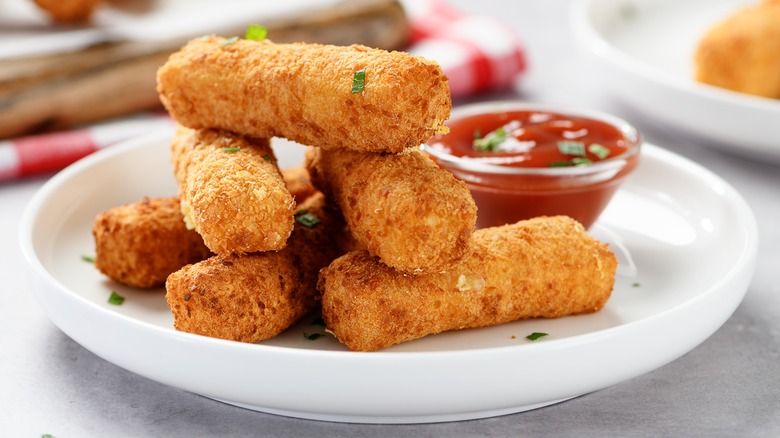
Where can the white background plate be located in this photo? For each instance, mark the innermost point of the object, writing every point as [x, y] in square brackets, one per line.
[643, 50]
[686, 242]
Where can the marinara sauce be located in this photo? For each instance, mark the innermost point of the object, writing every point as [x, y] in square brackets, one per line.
[521, 164]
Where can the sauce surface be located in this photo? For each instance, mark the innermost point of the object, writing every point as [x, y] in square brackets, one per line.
[535, 139]
[531, 139]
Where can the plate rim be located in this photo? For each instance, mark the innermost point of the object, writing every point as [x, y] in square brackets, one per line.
[601, 45]
[588, 36]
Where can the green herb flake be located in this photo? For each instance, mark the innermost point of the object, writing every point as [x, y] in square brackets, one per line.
[578, 161]
[635, 284]
[312, 336]
[116, 299]
[267, 157]
[576, 148]
[599, 150]
[535, 335]
[560, 164]
[359, 81]
[47, 435]
[306, 219]
[88, 259]
[231, 150]
[228, 41]
[491, 141]
[256, 32]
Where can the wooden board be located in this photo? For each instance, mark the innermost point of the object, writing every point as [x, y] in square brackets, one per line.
[61, 91]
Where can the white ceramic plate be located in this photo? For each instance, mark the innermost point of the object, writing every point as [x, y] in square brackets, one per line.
[643, 50]
[686, 242]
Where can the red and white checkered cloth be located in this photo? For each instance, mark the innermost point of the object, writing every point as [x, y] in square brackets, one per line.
[46, 153]
[477, 53]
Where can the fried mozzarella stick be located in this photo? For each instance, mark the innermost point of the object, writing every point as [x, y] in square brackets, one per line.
[742, 52]
[140, 244]
[298, 182]
[304, 92]
[252, 297]
[403, 208]
[540, 268]
[231, 190]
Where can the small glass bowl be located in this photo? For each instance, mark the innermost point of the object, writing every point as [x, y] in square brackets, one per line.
[507, 194]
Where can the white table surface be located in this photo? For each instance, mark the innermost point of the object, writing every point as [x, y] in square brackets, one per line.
[727, 386]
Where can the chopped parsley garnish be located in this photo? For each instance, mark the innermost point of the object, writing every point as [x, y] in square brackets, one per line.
[312, 336]
[88, 259]
[267, 157]
[576, 161]
[635, 284]
[535, 335]
[359, 81]
[599, 150]
[306, 219]
[491, 141]
[231, 150]
[228, 41]
[580, 160]
[561, 164]
[256, 32]
[116, 299]
[576, 148]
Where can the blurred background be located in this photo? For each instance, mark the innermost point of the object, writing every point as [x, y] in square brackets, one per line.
[96, 69]
[75, 81]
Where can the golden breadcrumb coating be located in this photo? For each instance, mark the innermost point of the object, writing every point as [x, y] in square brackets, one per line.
[68, 11]
[140, 244]
[298, 183]
[231, 191]
[252, 297]
[539, 268]
[742, 52]
[413, 215]
[303, 92]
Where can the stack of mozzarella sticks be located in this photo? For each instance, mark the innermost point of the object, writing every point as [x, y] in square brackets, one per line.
[371, 231]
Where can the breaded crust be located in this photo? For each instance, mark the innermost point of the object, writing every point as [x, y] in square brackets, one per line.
[540, 268]
[303, 92]
[231, 190]
[298, 183]
[140, 244]
[403, 208]
[742, 52]
[252, 297]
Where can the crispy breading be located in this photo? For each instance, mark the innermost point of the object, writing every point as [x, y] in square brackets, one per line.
[539, 268]
[231, 190]
[413, 215]
[303, 92]
[742, 52]
[140, 244]
[298, 183]
[68, 11]
[252, 297]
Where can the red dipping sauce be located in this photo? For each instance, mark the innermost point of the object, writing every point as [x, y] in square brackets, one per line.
[522, 161]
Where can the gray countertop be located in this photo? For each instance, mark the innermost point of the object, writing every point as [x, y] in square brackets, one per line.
[727, 386]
